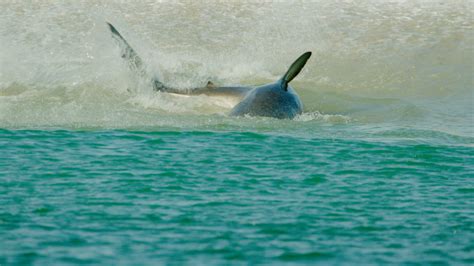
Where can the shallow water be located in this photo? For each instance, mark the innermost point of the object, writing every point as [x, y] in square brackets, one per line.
[96, 168]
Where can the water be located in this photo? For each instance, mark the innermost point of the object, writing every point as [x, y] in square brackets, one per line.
[96, 168]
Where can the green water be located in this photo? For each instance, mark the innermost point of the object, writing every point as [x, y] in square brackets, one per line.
[131, 197]
[96, 168]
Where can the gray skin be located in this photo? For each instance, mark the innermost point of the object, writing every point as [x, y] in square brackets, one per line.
[270, 100]
[278, 99]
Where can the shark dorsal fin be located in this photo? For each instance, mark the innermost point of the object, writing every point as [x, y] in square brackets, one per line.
[294, 70]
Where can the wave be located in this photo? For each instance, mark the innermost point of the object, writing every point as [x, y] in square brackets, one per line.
[397, 62]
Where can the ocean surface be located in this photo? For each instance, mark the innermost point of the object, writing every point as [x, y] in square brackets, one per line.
[96, 168]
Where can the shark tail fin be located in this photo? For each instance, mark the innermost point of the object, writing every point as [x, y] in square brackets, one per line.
[135, 63]
[294, 70]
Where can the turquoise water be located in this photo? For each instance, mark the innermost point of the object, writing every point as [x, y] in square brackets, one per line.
[96, 168]
[134, 197]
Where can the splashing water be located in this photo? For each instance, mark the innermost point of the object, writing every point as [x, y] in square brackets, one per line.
[373, 61]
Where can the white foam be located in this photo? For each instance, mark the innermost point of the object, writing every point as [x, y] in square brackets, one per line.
[318, 116]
